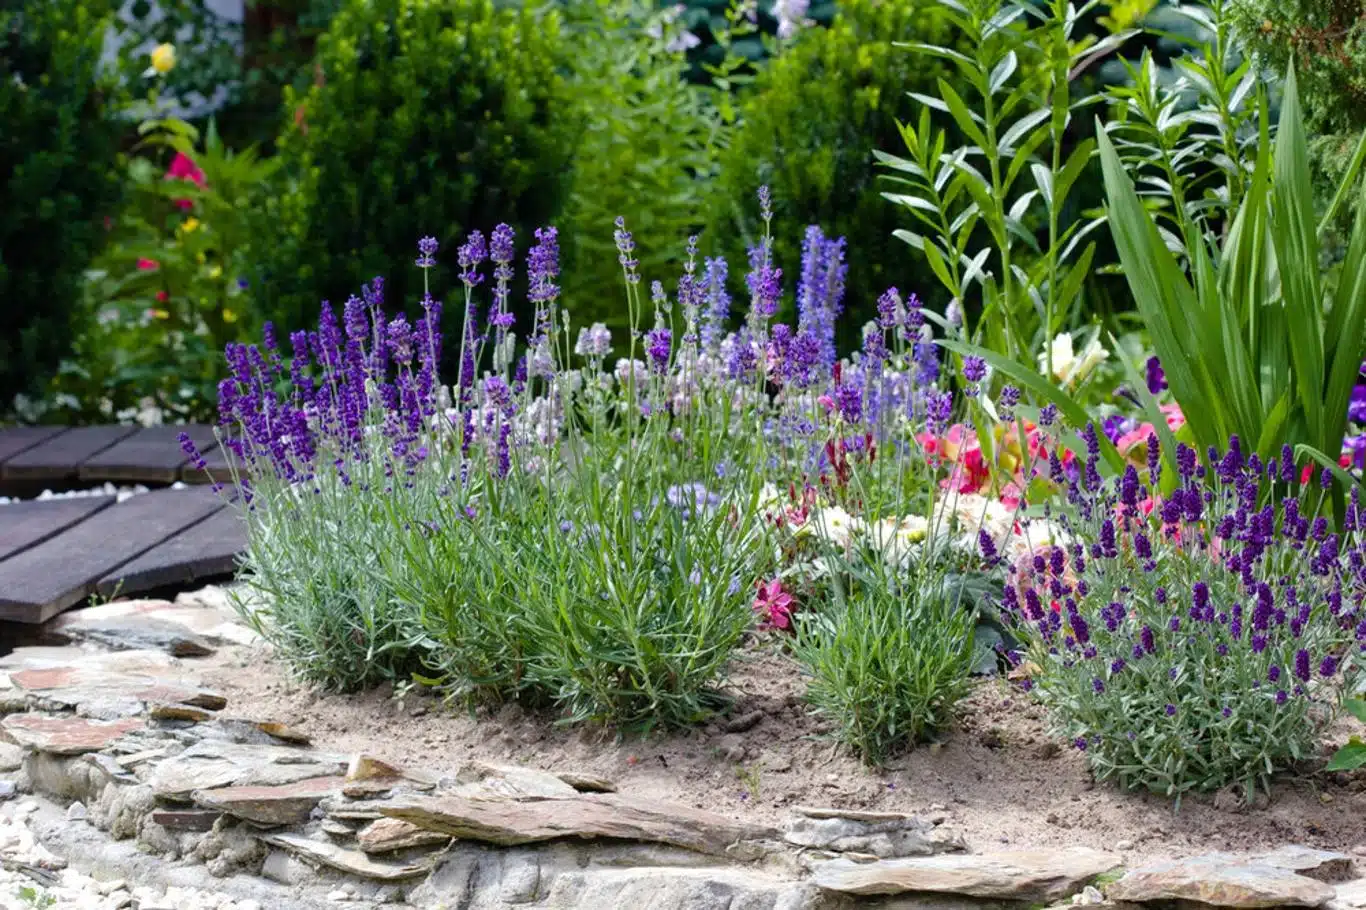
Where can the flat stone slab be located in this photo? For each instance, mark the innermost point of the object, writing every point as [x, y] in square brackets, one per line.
[75, 686]
[386, 835]
[65, 735]
[197, 820]
[1350, 896]
[588, 816]
[1021, 875]
[1220, 880]
[352, 861]
[487, 779]
[1324, 865]
[217, 625]
[210, 765]
[285, 804]
[892, 836]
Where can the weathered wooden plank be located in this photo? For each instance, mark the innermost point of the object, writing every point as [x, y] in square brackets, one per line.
[151, 455]
[60, 457]
[44, 580]
[14, 440]
[209, 548]
[25, 524]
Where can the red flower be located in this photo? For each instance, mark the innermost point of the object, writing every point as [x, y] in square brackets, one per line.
[774, 605]
[147, 265]
[162, 296]
[183, 168]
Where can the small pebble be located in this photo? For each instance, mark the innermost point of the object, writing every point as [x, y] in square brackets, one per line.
[76, 812]
[338, 896]
[1124, 845]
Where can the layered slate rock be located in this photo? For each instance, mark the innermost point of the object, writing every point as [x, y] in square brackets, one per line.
[1021, 875]
[881, 834]
[509, 822]
[65, 735]
[1221, 880]
[155, 624]
[487, 779]
[74, 687]
[386, 835]
[211, 765]
[1323, 865]
[284, 804]
[352, 861]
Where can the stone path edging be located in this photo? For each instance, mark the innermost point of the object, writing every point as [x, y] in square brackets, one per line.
[138, 749]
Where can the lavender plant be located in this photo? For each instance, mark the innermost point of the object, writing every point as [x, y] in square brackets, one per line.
[554, 527]
[1200, 641]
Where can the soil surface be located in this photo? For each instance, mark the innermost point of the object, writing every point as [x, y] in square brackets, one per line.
[997, 776]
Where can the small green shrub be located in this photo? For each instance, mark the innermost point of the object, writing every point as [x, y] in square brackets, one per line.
[427, 117]
[808, 129]
[889, 657]
[57, 151]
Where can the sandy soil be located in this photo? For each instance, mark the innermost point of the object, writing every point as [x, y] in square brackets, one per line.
[996, 776]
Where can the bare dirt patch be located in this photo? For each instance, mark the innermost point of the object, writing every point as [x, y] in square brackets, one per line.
[997, 776]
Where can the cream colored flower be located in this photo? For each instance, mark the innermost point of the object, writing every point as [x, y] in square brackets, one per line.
[835, 525]
[1038, 536]
[896, 538]
[163, 58]
[1069, 367]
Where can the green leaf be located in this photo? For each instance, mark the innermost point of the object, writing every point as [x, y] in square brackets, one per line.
[1349, 757]
[1357, 708]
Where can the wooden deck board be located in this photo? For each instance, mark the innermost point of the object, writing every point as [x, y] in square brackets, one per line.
[46, 579]
[204, 550]
[151, 455]
[25, 524]
[15, 440]
[60, 457]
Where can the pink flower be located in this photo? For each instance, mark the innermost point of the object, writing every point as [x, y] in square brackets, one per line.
[183, 168]
[147, 265]
[162, 296]
[773, 605]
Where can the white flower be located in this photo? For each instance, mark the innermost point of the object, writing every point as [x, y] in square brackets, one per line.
[835, 525]
[1035, 536]
[896, 538]
[791, 16]
[1068, 367]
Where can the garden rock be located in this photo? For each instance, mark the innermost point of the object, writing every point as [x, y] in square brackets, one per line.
[1024, 875]
[586, 783]
[480, 779]
[896, 836]
[385, 835]
[65, 735]
[509, 822]
[1350, 896]
[285, 804]
[157, 625]
[1221, 880]
[11, 757]
[1322, 865]
[210, 765]
[352, 861]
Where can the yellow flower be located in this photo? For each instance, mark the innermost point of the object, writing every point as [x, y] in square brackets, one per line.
[216, 271]
[163, 58]
[229, 315]
[190, 225]
[159, 314]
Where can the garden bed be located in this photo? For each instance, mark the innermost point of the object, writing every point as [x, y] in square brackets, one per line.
[996, 775]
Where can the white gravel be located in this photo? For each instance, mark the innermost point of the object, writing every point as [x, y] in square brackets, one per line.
[33, 878]
[109, 489]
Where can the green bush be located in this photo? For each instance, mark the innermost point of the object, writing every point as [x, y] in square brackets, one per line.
[57, 150]
[889, 658]
[646, 152]
[427, 117]
[808, 130]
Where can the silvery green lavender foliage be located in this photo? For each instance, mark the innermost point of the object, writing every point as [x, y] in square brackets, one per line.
[556, 527]
[1200, 641]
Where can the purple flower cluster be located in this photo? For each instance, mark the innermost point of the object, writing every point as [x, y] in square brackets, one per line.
[1256, 602]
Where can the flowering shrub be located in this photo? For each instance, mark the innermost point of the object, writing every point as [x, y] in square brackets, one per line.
[1198, 641]
[563, 528]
